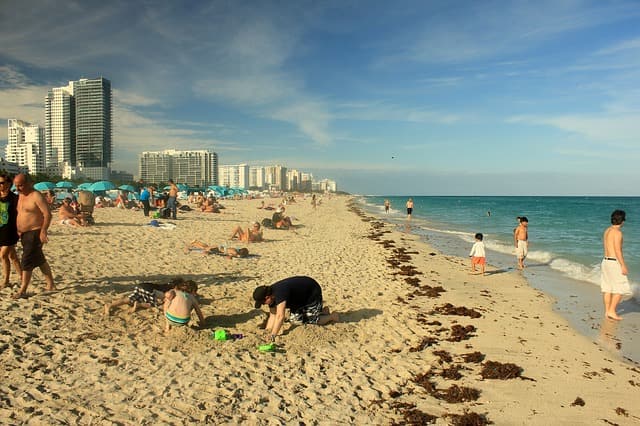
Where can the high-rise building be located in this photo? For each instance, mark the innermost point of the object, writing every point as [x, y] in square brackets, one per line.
[234, 176]
[59, 115]
[25, 145]
[194, 168]
[93, 111]
[78, 120]
[256, 177]
[276, 177]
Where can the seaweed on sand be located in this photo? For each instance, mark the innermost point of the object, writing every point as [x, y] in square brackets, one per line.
[497, 370]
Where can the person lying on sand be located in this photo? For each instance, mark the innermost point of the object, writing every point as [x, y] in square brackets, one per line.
[229, 252]
[145, 295]
[253, 234]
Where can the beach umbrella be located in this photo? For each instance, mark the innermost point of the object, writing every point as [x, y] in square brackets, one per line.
[103, 185]
[44, 186]
[85, 186]
[65, 184]
[129, 188]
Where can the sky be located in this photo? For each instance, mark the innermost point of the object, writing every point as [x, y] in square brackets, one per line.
[389, 98]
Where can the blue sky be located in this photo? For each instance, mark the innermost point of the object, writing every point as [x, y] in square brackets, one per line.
[407, 98]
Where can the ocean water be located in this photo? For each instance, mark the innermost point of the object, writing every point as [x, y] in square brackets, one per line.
[565, 247]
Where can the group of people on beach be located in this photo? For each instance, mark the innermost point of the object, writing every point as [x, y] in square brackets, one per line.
[614, 281]
[301, 295]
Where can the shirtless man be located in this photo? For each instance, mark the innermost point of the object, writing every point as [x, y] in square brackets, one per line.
[33, 222]
[521, 237]
[614, 283]
[172, 200]
[409, 208]
[67, 215]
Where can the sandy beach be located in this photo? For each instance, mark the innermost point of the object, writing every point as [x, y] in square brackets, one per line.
[420, 339]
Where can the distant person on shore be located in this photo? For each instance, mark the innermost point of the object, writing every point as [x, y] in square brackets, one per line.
[409, 208]
[301, 295]
[614, 283]
[8, 229]
[477, 254]
[172, 199]
[178, 304]
[387, 206]
[521, 237]
[33, 220]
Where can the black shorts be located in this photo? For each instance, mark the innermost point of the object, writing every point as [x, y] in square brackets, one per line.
[409, 210]
[32, 255]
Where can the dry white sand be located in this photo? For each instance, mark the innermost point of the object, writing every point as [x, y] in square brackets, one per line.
[63, 361]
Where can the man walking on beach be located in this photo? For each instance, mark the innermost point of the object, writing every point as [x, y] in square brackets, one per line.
[521, 237]
[33, 222]
[301, 295]
[172, 200]
[409, 208]
[614, 283]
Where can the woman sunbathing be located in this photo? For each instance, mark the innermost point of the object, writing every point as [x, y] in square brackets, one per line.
[251, 235]
[229, 252]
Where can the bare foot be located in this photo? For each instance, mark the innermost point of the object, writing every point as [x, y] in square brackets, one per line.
[52, 288]
[614, 317]
[19, 295]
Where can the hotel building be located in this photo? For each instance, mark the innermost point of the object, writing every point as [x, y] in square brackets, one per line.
[194, 168]
[234, 176]
[25, 146]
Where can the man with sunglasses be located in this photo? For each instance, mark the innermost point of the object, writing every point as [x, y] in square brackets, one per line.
[33, 221]
[8, 229]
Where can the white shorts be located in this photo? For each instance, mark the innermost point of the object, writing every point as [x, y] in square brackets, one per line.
[522, 250]
[612, 280]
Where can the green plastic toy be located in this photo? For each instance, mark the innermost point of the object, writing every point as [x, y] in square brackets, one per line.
[221, 335]
[270, 347]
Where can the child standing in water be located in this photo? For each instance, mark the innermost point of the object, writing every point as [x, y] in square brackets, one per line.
[477, 255]
[178, 304]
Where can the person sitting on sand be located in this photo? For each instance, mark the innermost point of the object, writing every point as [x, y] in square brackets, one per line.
[301, 295]
[251, 235]
[178, 304]
[145, 295]
[279, 220]
[230, 252]
[67, 215]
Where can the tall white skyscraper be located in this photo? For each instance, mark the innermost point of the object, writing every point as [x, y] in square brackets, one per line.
[59, 126]
[25, 145]
[256, 177]
[78, 129]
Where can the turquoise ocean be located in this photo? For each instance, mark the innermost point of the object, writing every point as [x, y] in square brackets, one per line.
[565, 249]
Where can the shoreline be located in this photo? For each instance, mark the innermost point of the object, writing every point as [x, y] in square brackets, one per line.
[577, 301]
[399, 353]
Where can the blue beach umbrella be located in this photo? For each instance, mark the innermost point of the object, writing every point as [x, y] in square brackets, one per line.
[129, 188]
[103, 185]
[85, 186]
[65, 184]
[44, 186]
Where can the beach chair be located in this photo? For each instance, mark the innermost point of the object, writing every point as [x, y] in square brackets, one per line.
[87, 200]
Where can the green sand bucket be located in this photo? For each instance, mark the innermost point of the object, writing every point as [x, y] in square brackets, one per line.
[220, 335]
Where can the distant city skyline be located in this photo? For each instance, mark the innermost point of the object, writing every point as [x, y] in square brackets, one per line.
[409, 98]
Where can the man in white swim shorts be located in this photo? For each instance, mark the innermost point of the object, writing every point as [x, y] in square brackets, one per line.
[521, 237]
[614, 283]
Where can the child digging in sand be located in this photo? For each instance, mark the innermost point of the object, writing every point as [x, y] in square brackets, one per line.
[178, 304]
[477, 254]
